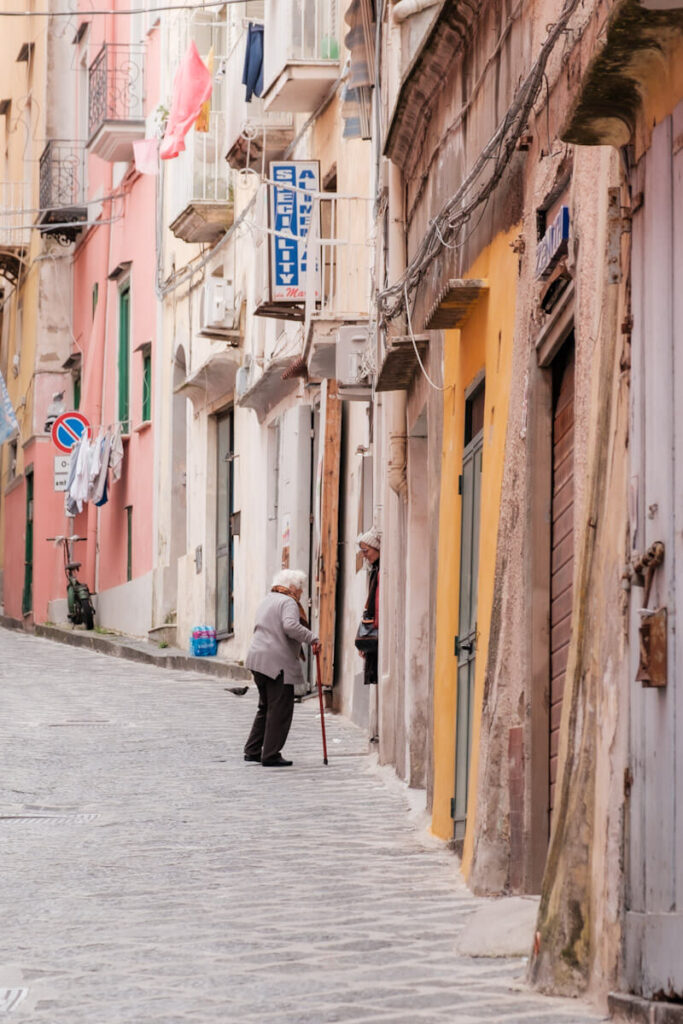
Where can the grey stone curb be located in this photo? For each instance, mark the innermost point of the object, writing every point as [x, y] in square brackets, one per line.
[122, 647]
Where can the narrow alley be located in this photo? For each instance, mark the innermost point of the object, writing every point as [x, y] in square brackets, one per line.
[149, 874]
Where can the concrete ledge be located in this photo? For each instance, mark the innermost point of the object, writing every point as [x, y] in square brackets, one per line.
[140, 651]
[633, 1010]
[502, 928]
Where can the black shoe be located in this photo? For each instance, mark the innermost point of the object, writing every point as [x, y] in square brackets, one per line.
[252, 757]
[276, 762]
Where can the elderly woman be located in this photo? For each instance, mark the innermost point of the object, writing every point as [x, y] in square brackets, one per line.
[369, 544]
[274, 658]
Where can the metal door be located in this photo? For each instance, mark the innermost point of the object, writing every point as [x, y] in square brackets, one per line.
[466, 641]
[27, 597]
[225, 526]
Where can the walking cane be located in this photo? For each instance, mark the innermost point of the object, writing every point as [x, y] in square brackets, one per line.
[322, 709]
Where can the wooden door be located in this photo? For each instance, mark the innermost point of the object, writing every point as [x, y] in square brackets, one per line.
[562, 544]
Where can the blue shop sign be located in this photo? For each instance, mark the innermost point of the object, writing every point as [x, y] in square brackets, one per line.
[291, 209]
[553, 244]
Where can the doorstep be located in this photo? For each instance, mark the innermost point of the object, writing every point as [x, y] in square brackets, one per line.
[142, 651]
[633, 1009]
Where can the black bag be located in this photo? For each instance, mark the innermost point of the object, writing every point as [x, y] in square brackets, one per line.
[366, 637]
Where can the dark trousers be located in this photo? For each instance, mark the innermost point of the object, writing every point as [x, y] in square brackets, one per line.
[273, 717]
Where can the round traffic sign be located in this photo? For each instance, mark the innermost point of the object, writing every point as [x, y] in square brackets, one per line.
[68, 429]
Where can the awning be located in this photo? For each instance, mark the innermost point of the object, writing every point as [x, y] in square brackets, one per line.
[214, 379]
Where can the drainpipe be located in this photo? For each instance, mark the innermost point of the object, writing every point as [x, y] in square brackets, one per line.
[396, 418]
[405, 8]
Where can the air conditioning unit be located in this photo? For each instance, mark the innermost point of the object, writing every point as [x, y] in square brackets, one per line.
[219, 314]
[353, 375]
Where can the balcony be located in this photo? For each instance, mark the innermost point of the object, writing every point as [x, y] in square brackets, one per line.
[62, 191]
[254, 136]
[15, 235]
[116, 102]
[201, 187]
[339, 253]
[301, 58]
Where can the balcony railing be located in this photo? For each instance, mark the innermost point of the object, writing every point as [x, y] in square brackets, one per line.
[201, 187]
[15, 235]
[253, 134]
[14, 222]
[301, 53]
[339, 250]
[62, 186]
[116, 101]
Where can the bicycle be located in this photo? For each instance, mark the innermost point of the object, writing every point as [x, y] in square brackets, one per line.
[79, 601]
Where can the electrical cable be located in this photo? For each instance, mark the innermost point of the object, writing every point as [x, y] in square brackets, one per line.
[107, 12]
[437, 387]
[458, 209]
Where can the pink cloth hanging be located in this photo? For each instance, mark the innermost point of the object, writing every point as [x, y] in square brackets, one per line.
[191, 88]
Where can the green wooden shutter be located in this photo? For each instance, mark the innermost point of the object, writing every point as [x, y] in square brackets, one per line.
[146, 387]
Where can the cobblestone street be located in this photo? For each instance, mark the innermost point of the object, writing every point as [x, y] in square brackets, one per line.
[149, 874]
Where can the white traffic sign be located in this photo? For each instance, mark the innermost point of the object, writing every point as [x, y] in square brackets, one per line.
[61, 471]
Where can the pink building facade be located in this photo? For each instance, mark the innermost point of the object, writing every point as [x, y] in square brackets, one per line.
[107, 366]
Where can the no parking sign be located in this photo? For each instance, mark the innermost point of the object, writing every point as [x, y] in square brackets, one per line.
[68, 429]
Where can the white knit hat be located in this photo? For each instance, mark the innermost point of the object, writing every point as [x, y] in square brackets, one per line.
[373, 538]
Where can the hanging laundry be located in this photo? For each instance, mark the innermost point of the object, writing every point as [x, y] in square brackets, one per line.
[9, 426]
[78, 491]
[99, 487]
[203, 121]
[70, 506]
[191, 88]
[252, 75]
[116, 455]
[146, 156]
[95, 462]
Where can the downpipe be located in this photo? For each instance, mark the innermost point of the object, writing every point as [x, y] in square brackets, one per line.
[397, 476]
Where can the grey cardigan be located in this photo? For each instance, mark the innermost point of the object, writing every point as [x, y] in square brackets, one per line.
[277, 640]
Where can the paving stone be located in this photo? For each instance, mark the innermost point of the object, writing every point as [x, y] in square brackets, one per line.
[150, 874]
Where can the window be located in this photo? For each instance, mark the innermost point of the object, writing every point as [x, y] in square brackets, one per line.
[77, 391]
[124, 358]
[95, 296]
[146, 386]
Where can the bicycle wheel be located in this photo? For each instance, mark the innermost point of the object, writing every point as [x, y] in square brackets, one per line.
[87, 613]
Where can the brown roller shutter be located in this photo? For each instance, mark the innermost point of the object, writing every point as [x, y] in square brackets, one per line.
[562, 542]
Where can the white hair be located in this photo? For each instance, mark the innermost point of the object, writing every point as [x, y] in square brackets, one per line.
[290, 578]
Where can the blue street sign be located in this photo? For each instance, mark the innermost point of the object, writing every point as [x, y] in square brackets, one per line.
[553, 244]
[290, 215]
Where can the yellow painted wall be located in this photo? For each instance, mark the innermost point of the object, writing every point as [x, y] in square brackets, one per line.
[484, 343]
[22, 135]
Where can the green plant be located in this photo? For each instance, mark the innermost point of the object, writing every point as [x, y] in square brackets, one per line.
[164, 643]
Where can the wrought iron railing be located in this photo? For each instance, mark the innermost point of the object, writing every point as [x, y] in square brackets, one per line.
[116, 85]
[62, 176]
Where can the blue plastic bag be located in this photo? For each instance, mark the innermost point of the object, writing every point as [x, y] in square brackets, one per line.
[203, 643]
